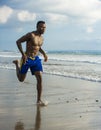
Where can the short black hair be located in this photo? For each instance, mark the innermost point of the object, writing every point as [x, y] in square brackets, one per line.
[43, 22]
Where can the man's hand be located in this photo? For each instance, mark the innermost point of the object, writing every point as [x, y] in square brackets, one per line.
[45, 58]
[44, 54]
[24, 58]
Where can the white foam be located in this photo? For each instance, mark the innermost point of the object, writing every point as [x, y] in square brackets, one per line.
[87, 67]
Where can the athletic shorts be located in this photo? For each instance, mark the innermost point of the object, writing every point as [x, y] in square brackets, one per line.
[32, 63]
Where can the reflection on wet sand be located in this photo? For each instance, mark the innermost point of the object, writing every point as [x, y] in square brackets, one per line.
[20, 125]
[38, 119]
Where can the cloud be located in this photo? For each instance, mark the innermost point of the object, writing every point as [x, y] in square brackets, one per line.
[20, 29]
[80, 11]
[26, 16]
[5, 13]
[90, 30]
[56, 18]
[86, 12]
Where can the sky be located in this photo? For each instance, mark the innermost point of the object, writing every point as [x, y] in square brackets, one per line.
[71, 24]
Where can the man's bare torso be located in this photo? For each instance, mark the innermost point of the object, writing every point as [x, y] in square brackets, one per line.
[33, 44]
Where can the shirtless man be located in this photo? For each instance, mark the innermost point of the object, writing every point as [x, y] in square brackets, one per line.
[30, 58]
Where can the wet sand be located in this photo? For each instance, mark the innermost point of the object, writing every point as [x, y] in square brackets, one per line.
[74, 104]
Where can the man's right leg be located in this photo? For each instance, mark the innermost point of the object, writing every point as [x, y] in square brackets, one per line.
[20, 76]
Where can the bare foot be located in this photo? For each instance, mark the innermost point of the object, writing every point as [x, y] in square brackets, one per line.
[41, 103]
[15, 62]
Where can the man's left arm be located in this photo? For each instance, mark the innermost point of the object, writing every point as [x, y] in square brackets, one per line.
[44, 54]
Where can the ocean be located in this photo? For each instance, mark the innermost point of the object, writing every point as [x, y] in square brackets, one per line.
[80, 64]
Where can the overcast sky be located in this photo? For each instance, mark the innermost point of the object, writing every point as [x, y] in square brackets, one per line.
[71, 24]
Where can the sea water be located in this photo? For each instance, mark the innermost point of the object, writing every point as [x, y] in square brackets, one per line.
[75, 64]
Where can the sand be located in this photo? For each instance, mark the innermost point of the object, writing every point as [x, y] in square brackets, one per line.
[74, 104]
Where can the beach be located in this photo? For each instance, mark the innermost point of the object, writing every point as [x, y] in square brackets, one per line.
[74, 104]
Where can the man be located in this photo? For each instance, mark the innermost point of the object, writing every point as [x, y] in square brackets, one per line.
[30, 58]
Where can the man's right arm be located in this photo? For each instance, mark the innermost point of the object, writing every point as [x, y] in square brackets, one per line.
[19, 45]
[19, 42]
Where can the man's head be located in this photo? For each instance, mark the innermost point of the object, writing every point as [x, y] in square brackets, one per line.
[41, 26]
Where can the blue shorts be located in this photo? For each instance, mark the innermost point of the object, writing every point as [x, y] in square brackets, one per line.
[34, 63]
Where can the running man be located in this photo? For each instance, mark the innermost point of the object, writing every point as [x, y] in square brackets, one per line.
[30, 58]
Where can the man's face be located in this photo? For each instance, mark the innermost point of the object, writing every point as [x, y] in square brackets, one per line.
[41, 28]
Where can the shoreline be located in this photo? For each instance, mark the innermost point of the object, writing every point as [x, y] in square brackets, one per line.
[74, 104]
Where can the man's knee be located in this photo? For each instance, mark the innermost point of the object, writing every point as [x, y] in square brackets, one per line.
[21, 78]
